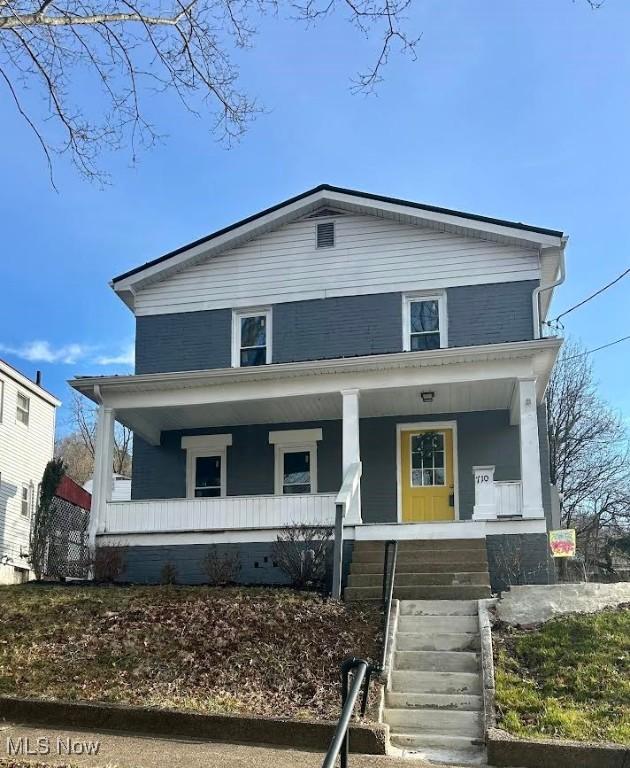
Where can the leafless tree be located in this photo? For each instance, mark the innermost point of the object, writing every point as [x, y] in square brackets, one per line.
[78, 446]
[589, 453]
[124, 51]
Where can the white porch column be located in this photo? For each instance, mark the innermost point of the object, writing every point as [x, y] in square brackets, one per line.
[350, 441]
[531, 482]
[103, 461]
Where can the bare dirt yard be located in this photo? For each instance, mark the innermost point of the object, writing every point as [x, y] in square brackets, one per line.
[203, 649]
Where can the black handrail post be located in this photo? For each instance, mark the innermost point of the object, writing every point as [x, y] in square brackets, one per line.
[340, 743]
[387, 601]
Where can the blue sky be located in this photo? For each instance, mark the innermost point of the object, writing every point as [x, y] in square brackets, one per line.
[515, 108]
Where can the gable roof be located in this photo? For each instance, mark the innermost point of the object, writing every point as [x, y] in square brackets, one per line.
[326, 195]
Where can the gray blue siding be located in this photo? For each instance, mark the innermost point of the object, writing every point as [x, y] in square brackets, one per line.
[515, 559]
[330, 328]
[483, 437]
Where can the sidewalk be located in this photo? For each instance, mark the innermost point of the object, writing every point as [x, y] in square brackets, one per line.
[126, 751]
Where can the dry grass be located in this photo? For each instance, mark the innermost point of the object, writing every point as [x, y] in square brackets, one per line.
[259, 651]
[569, 679]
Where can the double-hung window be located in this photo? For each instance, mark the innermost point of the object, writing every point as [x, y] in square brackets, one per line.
[424, 322]
[206, 465]
[251, 337]
[295, 460]
[26, 500]
[22, 412]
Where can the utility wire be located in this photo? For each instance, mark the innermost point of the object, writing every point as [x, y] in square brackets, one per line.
[604, 346]
[592, 296]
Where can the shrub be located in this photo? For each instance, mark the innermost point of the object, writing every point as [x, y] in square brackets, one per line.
[168, 574]
[221, 569]
[109, 563]
[301, 552]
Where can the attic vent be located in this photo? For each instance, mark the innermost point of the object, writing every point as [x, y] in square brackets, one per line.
[326, 234]
[321, 212]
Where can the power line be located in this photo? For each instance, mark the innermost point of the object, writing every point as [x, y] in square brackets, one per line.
[592, 296]
[604, 346]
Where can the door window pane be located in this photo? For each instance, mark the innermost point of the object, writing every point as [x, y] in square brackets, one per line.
[207, 476]
[427, 459]
[296, 472]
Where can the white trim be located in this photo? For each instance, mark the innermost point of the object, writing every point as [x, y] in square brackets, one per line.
[237, 316]
[279, 453]
[295, 436]
[458, 222]
[24, 382]
[427, 425]
[211, 442]
[191, 456]
[408, 300]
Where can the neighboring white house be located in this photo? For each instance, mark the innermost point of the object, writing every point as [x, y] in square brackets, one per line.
[27, 439]
[121, 487]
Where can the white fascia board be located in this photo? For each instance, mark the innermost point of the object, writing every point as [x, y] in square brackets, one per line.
[467, 364]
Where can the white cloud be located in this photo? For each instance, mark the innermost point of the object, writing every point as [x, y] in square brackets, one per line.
[125, 357]
[44, 352]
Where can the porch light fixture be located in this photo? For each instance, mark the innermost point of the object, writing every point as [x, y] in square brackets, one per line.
[427, 397]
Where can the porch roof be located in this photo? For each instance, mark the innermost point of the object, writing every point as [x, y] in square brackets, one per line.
[462, 379]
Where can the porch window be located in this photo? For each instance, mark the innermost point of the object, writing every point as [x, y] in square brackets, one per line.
[251, 337]
[295, 460]
[206, 459]
[427, 459]
[424, 322]
[207, 476]
[296, 471]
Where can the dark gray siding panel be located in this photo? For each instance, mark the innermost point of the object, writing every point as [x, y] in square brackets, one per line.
[160, 471]
[490, 314]
[337, 327]
[143, 565]
[519, 559]
[483, 437]
[185, 341]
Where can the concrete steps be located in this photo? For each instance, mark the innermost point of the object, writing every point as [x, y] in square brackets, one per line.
[433, 702]
[443, 569]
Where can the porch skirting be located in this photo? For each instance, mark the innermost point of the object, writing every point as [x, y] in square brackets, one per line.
[513, 558]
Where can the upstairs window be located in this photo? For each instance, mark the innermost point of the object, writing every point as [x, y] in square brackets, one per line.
[326, 234]
[251, 337]
[424, 322]
[26, 500]
[23, 408]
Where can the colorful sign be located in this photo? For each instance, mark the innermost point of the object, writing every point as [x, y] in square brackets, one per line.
[562, 542]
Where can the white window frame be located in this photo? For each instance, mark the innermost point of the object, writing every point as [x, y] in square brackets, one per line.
[25, 487]
[294, 441]
[205, 446]
[19, 409]
[1, 399]
[237, 316]
[408, 300]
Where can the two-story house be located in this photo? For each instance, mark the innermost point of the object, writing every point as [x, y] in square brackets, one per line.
[340, 350]
[27, 441]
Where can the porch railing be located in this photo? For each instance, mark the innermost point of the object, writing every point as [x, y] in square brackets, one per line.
[226, 513]
[347, 507]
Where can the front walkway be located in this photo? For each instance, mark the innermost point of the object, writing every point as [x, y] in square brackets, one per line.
[148, 752]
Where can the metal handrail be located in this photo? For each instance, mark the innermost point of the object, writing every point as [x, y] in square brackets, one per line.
[339, 746]
[389, 576]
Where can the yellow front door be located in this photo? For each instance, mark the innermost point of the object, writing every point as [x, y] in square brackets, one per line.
[426, 469]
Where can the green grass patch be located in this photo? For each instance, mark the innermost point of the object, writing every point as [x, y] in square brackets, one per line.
[259, 651]
[569, 678]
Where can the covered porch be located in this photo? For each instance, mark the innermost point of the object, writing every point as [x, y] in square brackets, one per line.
[238, 454]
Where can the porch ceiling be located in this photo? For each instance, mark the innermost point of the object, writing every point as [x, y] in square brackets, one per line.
[401, 401]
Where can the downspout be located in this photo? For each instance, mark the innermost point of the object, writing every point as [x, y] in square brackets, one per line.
[537, 291]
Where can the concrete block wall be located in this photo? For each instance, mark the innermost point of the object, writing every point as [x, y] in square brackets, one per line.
[515, 559]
